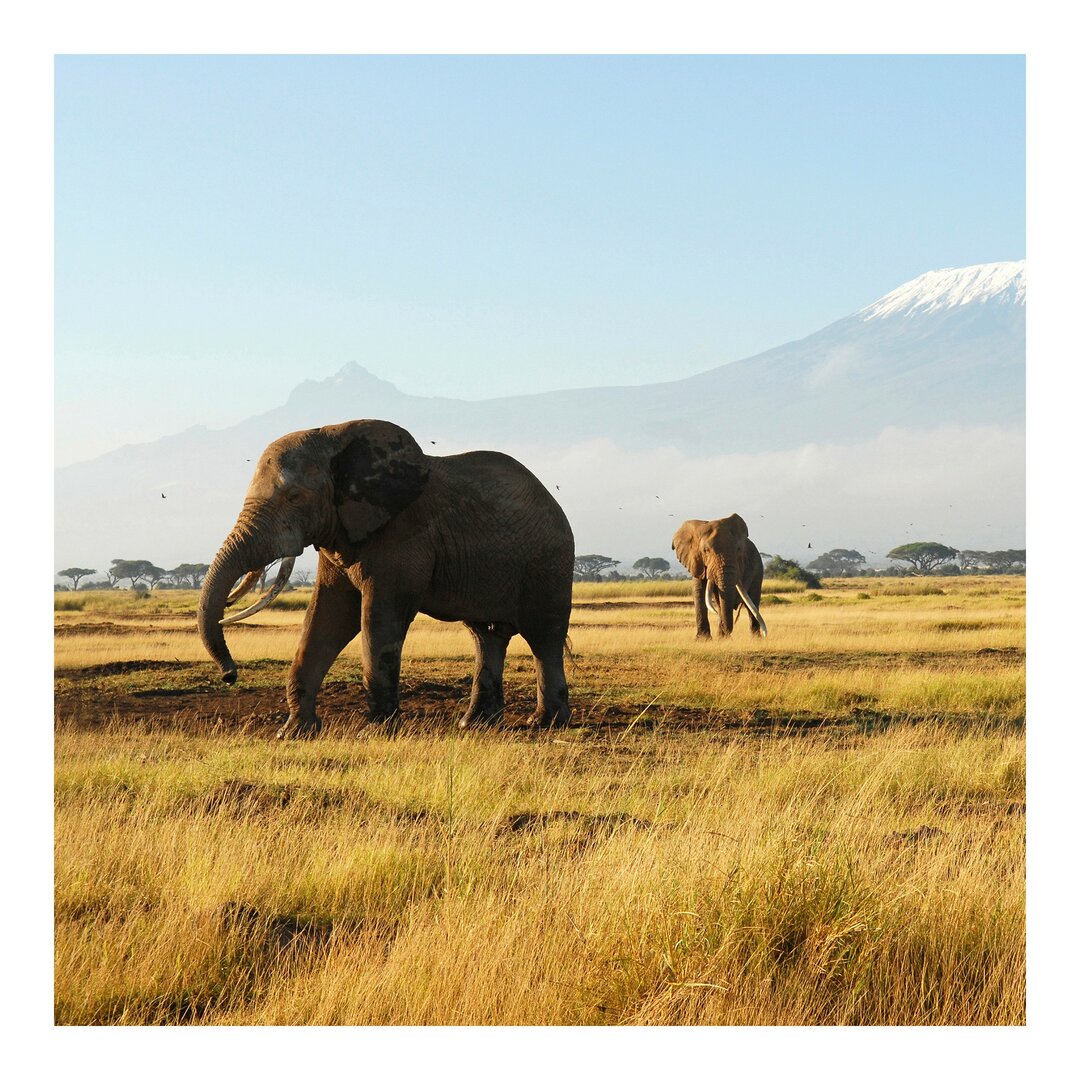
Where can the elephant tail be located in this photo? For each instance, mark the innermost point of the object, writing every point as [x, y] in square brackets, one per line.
[568, 654]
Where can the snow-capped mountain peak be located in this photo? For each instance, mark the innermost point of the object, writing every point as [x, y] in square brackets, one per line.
[937, 290]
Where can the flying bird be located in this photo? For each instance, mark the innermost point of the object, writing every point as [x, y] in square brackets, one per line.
[163, 494]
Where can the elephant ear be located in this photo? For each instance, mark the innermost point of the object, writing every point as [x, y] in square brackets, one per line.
[736, 526]
[687, 548]
[379, 470]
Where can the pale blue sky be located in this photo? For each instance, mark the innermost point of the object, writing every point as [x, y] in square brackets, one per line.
[227, 227]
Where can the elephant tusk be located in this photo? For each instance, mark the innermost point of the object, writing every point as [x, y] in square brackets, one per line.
[244, 587]
[271, 595]
[752, 608]
[708, 599]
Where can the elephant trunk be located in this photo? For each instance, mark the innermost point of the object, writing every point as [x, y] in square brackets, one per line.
[241, 553]
[721, 594]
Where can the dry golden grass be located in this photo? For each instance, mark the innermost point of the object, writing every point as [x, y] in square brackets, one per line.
[861, 862]
[435, 880]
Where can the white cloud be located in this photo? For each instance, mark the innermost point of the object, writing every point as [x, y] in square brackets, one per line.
[961, 486]
[836, 363]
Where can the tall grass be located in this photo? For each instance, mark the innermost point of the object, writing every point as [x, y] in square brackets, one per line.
[823, 827]
[652, 880]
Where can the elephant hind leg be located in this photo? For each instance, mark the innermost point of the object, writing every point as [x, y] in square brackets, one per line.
[487, 703]
[552, 693]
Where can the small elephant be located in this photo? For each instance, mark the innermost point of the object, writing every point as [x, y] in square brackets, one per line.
[727, 572]
[472, 538]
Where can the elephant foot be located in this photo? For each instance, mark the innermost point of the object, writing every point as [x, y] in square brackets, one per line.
[389, 721]
[543, 718]
[300, 727]
[480, 717]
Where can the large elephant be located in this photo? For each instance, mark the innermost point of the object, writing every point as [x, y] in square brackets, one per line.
[727, 572]
[472, 537]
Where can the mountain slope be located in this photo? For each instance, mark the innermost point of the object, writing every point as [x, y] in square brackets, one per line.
[944, 350]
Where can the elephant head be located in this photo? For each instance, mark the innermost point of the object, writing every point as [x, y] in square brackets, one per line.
[721, 554]
[332, 487]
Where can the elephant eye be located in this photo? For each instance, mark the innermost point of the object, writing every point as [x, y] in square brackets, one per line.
[295, 496]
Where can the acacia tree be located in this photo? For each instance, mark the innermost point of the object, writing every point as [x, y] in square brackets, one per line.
[590, 567]
[1007, 562]
[972, 560]
[76, 574]
[923, 556]
[840, 562]
[652, 568]
[134, 570]
[154, 574]
[189, 573]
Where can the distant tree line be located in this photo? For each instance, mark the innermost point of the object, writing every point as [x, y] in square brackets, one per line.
[603, 568]
[143, 576]
[135, 574]
[921, 557]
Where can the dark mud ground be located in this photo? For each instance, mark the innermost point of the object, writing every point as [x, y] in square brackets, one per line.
[165, 695]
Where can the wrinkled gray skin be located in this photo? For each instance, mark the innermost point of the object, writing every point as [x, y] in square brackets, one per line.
[472, 537]
[720, 554]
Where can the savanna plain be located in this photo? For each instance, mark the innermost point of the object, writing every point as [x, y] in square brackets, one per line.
[824, 827]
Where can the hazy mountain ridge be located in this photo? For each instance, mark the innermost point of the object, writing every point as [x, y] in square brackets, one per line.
[947, 348]
[943, 351]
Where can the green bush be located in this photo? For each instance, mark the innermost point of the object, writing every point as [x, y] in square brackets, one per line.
[789, 570]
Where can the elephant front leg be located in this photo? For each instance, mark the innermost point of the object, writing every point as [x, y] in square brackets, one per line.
[332, 621]
[384, 636]
[754, 592]
[701, 610]
[487, 702]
